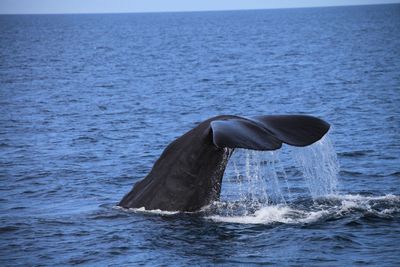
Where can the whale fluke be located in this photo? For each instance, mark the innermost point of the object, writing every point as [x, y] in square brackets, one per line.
[188, 174]
[268, 132]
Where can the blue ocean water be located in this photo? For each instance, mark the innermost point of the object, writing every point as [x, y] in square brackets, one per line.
[88, 102]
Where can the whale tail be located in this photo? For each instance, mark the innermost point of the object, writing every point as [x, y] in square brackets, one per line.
[188, 175]
[267, 132]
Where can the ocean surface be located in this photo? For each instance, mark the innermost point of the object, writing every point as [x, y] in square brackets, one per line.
[88, 102]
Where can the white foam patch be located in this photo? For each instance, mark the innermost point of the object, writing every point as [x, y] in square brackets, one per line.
[348, 205]
[389, 211]
[291, 215]
[273, 214]
[158, 211]
[361, 198]
[366, 203]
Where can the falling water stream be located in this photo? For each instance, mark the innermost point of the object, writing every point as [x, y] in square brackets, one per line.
[262, 176]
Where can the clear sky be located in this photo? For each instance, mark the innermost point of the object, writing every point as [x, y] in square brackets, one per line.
[116, 6]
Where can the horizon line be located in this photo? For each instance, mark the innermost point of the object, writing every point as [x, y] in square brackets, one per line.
[194, 11]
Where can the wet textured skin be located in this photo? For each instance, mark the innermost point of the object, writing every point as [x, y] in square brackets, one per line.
[188, 174]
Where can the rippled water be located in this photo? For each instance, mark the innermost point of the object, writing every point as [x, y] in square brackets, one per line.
[88, 102]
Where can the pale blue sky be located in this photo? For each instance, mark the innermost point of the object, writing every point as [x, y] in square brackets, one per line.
[116, 6]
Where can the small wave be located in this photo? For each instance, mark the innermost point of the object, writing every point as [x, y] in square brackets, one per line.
[356, 153]
[4, 145]
[85, 139]
[351, 173]
[6, 229]
[107, 216]
[395, 174]
[108, 86]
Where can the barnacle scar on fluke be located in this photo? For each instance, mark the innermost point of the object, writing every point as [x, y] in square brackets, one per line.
[188, 174]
